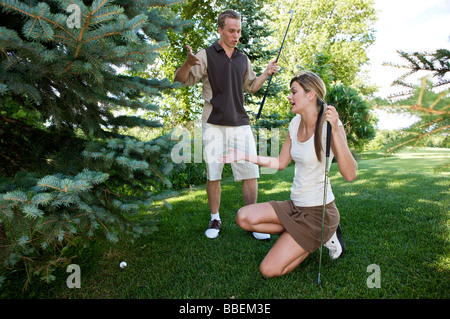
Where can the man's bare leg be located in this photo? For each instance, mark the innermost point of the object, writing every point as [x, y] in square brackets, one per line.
[250, 194]
[213, 191]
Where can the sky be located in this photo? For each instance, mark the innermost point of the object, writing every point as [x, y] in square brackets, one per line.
[407, 25]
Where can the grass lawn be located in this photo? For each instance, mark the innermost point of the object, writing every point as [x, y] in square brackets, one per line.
[394, 215]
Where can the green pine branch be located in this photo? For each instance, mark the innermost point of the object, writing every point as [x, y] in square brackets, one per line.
[60, 89]
[438, 63]
[107, 36]
[434, 117]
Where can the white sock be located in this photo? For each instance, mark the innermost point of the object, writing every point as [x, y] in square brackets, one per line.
[215, 216]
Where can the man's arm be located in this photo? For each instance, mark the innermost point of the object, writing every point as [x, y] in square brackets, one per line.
[182, 73]
[272, 68]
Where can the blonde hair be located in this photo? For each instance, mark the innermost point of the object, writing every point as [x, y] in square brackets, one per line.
[310, 81]
[227, 14]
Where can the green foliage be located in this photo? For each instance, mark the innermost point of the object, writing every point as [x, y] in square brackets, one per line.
[69, 73]
[382, 139]
[40, 222]
[192, 174]
[354, 113]
[43, 217]
[270, 121]
[434, 123]
[438, 63]
[425, 101]
[141, 166]
[339, 30]
[69, 173]
[386, 139]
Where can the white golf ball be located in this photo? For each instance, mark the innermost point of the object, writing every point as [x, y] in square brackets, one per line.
[123, 264]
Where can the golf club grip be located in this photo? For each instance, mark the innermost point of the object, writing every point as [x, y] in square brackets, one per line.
[327, 153]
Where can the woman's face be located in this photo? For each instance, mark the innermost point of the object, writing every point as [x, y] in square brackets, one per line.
[299, 98]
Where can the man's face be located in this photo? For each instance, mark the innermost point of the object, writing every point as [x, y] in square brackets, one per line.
[231, 32]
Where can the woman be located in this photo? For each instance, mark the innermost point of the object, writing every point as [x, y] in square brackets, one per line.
[299, 220]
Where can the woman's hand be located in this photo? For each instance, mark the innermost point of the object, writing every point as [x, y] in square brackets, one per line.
[233, 155]
[346, 162]
[332, 116]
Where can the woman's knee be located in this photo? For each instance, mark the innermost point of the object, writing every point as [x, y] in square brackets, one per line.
[250, 216]
[270, 270]
[243, 217]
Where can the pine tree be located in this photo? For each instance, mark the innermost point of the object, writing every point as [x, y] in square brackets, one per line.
[438, 63]
[432, 108]
[67, 175]
[433, 112]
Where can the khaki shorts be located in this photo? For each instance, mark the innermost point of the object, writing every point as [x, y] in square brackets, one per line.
[218, 139]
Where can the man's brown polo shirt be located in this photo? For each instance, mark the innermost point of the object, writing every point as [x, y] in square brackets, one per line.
[224, 81]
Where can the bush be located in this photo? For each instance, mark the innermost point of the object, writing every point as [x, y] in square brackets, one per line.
[354, 112]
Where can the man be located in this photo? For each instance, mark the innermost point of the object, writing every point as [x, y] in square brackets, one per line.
[225, 72]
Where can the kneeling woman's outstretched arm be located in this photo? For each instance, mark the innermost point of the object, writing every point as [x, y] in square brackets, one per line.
[278, 163]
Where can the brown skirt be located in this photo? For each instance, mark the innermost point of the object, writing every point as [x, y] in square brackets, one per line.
[304, 224]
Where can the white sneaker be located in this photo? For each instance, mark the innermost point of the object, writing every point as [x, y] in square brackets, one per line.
[213, 229]
[261, 236]
[336, 244]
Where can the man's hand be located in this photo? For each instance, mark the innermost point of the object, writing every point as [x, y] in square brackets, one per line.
[182, 73]
[272, 68]
[191, 59]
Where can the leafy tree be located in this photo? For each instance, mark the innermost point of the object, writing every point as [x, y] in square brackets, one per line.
[185, 104]
[354, 112]
[329, 38]
[67, 174]
[340, 31]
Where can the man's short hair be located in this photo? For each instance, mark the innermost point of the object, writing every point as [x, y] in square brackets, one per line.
[227, 14]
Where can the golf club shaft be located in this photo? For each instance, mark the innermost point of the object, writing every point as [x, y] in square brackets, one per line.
[327, 154]
[270, 78]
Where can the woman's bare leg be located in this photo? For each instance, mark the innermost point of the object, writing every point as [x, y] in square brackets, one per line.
[284, 257]
[259, 218]
[286, 254]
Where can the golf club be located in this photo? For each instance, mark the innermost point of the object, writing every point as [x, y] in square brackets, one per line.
[327, 154]
[270, 78]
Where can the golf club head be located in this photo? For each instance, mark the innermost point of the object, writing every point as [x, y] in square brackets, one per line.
[291, 12]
